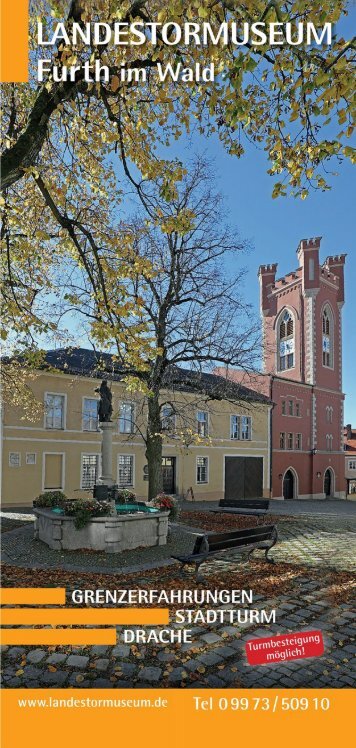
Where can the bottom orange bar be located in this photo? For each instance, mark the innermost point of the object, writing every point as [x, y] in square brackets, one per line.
[58, 636]
[157, 718]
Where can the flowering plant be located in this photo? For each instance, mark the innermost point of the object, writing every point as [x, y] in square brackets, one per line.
[165, 502]
[124, 496]
[49, 499]
[83, 510]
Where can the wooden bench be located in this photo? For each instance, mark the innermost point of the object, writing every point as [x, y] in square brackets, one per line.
[263, 537]
[248, 507]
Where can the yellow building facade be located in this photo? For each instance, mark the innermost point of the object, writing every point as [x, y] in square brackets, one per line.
[211, 447]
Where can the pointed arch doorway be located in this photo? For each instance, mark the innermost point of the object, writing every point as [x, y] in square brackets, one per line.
[328, 483]
[289, 485]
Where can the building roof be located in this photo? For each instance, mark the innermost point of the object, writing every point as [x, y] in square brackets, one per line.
[90, 363]
[349, 439]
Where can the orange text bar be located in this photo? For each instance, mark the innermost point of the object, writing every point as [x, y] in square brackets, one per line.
[58, 636]
[32, 596]
[85, 616]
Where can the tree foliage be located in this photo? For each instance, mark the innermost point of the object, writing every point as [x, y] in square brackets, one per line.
[65, 146]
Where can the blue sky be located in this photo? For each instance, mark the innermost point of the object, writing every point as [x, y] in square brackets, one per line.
[275, 228]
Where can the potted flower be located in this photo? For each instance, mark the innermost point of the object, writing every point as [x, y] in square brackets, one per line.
[164, 502]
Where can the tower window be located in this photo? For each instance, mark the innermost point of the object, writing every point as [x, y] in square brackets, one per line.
[286, 342]
[328, 341]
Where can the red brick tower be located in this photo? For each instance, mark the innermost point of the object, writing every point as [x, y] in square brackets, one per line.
[302, 356]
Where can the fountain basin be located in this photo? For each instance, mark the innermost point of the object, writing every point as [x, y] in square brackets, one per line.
[112, 534]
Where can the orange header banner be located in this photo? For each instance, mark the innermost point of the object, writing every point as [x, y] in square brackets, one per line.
[14, 49]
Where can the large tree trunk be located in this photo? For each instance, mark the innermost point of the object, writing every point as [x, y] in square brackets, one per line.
[154, 447]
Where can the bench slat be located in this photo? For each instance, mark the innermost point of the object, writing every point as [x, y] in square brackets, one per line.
[245, 503]
[246, 532]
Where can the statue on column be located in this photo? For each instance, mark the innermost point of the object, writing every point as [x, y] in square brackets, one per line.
[105, 403]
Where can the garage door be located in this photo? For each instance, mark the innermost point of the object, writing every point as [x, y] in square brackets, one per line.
[243, 477]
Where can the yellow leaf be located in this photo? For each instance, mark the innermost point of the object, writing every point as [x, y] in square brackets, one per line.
[19, 672]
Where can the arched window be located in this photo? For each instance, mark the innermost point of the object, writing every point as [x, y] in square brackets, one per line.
[328, 338]
[286, 342]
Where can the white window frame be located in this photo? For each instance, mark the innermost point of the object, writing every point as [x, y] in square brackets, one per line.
[352, 465]
[132, 421]
[56, 394]
[282, 434]
[84, 398]
[206, 422]
[299, 446]
[202, 482]
[291, 337]
[33, 454]
[171, 417]
[247, 438]
[235, 438]
[289, 433]
[331, 336]
[126, 485]
[89, 454]
[44, 469]
[15, 464]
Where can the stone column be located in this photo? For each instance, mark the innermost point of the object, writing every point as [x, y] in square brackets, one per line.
[106, 454]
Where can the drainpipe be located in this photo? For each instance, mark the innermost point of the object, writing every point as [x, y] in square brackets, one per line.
[270, 437]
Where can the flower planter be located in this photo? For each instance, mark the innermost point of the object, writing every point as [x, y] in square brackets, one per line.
[111, 534]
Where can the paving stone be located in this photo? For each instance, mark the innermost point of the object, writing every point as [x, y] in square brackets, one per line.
[150, 674]
[225, 651]
[211, 638]
[126, 668]
[192, 665]
[177, 675]
[101, 649]
[77, 661]
[210, 658]
[57, 678]
[229, 677]
[32, 673]
[56, 658]
[230, 630]
[102, 664]
[165, 657]
[214, 681]
[105, 683]
[36, 655]
[16, 652]
[122, 650]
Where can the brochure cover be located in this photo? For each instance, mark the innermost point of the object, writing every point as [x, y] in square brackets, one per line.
[178, 418]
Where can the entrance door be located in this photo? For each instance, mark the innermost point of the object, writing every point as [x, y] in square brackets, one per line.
[327, 483]
[288, 485]
[53, 471]
[168, 474]
[243, 477]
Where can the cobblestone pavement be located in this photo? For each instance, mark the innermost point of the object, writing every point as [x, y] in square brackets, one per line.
[216, 656]
[307, 539]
